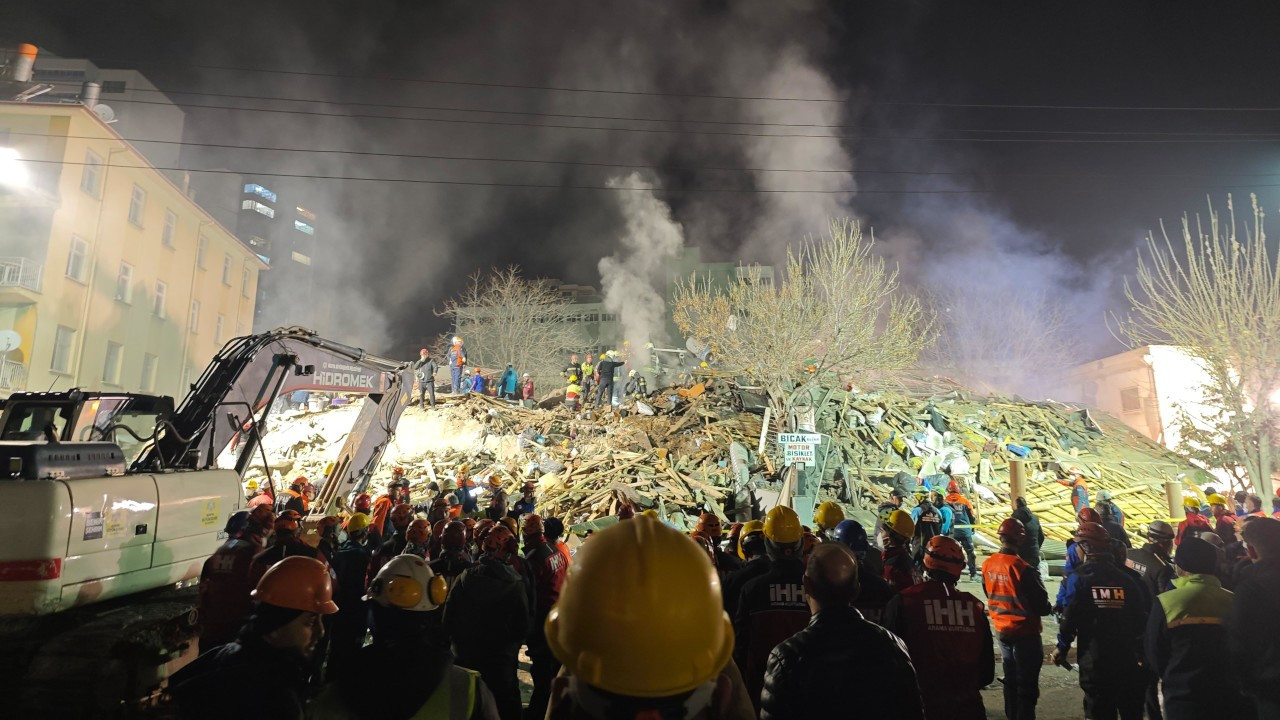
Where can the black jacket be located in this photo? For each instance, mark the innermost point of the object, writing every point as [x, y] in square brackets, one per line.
[351, 566]
[427, 367]
[1117, 533]
[840, 654]
[1156, 569]
[1106, 609]
[771, 608]
[1030, 548]
[1253, 630]
[736, 580]
[874, 593]
[228, 682]
[487, 613]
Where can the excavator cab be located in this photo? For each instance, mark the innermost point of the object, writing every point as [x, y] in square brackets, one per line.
[130, 420]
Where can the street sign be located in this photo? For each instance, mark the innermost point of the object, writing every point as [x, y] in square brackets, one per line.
[799, 448]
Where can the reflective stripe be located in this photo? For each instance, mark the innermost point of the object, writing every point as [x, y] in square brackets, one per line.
[1006, 598]
[1195, 621]
[1002, 611]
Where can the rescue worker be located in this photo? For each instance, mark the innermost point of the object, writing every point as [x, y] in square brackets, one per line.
[327, 531]
[896, 557]
[838, 649]
[1153, 561]
[894, 502]
[1079, 489]
[548, 568]
[424, 369]
[507, 383]
[280, 637]
[1106, 610]
[225, 585]
[1253, 506]
[497, 500]
[963, 515]
[526, 390]
[606, 368]
[588, 375]
[351, 568]
[617, 629]
[1186, 641]
[457, 358]
[1194, 522]
[417, 539]
[1105, 501]
[298, 497]
[710, 528]
[928, 525]
[553, 528]
[772, 606]
[397, 492]
[525, 505]
[1072, 557]
[826, 517]
[637, 387]
[1016, 599]
[479, 383]
[1253, 627]
[487, 616]
[401, 516]
[755, 562]
[400, 597]
[944, 512]
[1030, 548]
[284, 543]
[946, 633]
[453, 558]
[874, 592]
[572, 393]
[1224, 521]
[1112, 525]
[573, 369]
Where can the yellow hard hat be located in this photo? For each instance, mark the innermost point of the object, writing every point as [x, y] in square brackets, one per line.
[828, 515]
[704, 363]
[901, 523]
[573, 378]
[615, 627]
[251, 485]
[1190, 503]
[650, 513]
[1216, 499]
[748, 527]
[782, 526]
[357, 522]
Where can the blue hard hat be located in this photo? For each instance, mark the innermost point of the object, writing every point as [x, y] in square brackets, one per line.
[852, 535]
[237, 523]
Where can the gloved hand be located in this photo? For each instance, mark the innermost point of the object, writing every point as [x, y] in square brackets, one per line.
[1057, 613]
[1060, 658]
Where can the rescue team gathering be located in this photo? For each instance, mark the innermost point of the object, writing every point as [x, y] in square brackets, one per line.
[422, 611]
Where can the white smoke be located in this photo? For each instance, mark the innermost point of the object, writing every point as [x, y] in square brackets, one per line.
[630, 277]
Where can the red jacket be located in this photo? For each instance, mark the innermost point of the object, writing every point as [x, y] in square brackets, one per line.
[225, 584]
[898, 567]
[1196, 521]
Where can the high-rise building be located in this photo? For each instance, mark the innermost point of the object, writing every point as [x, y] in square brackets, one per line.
[282, 230]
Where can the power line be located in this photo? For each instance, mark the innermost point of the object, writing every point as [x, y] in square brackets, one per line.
[651, 93]
[672, 131]
[648, 166]
[693, 121]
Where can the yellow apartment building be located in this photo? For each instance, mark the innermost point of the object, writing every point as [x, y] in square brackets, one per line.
[111, 277]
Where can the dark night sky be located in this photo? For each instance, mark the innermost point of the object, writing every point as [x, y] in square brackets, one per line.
[1062, 218]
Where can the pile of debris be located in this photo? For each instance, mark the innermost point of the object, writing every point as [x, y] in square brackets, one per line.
[706, 450]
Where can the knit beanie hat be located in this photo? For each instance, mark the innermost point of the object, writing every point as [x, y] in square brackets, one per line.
[1197, 556]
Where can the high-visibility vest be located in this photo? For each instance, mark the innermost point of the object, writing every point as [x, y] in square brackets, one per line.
[1002, 575]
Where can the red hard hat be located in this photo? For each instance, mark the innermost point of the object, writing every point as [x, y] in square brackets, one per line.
[945, 554]
[709, 525]
[437, 528]
[299, 481]
[1088, 515]
[1014, 529]
[532, 524]
[1091, 532]
[401, 515]
[262, 516]
[495, 542]
[363, 503]
[418, 532]
[953, 487]
[288, 520]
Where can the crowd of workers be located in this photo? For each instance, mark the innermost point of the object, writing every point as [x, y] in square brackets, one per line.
[765, 619]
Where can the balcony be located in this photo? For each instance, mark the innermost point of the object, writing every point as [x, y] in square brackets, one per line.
[19, 279]
[13, 376]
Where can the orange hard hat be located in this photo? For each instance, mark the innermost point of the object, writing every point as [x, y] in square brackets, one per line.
[1091, 532]
[288, 520]
[401, 515]
[532, 524]
[1013, 529]
[945, 554]
[953, 487]
[495, 542]
[510, 524]
[418, 533]
[328, 523]
[495, 481]
[262, 516]
[709, 525]
[437, 528]
[299, 482]
[454, 536]
[297, 583]
[398, 471]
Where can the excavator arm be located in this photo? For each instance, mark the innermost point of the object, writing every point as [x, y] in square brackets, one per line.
[229, 404]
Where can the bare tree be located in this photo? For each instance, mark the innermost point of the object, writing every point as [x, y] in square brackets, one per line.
[997, 339]
[836, 310]
[1218, 297]
[504, 318]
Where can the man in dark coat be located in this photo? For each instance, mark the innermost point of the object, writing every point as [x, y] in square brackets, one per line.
[1029, 550]
[424, 369]
[1253, 627]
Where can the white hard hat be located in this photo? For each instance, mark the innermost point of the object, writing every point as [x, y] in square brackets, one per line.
[407, 582]
[526, 374]
[631, 374]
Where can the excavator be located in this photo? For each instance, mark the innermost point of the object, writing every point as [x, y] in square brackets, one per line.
[113, 502]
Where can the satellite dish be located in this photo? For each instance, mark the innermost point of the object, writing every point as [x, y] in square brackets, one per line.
[9, 340]
[104, 113]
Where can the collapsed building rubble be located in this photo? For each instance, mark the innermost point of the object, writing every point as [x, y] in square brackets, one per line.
[701, 450]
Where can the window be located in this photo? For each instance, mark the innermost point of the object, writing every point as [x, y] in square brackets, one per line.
[113, 86]
[256, 189]
[303, 227]
[63, 339]
[157, 303]
[217, 329]
[300, 258]
[91, 174]
[148, 381]
[170, 224]
[1130, 401]
[201, 245]
[305, 213]
[111, 367]
[77, 259]
[258, 207]
[226, 270]
[193, 322]
[137, 202]
[245, 279]
[124, 283]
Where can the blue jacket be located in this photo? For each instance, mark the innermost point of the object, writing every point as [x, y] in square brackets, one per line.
[477, 383]
[1068, 569]
[507, 385]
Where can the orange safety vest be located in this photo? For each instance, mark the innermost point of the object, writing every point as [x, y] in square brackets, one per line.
[306, 505]
[1002, 575]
